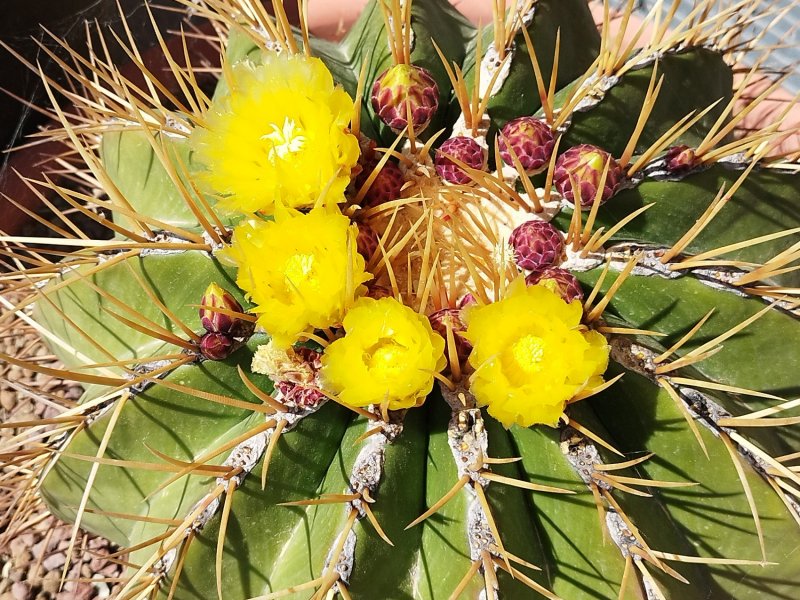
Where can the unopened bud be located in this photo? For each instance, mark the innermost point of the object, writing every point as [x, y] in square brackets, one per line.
[536, 244]
[216, 346]
[214, 321]
[378, 291]
[367, 161]
[559, 281]
[450, 318]
[583, 166]
[681, 159]
[367, 241]
[386, 186]
[467, 300]
[404, 89]
[530, 139]
[463, 149]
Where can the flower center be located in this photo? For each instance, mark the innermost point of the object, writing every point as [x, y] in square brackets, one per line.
[299, 270]
[528, 352]
[385, 358]
[286, 140]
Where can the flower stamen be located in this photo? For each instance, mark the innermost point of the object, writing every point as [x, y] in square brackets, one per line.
[285, 141]
[299, 271]
[528, 352]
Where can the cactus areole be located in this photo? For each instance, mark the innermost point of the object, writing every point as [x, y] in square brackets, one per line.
[349, 335]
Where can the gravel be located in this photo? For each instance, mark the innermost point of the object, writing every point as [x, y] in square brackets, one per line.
[33, 549]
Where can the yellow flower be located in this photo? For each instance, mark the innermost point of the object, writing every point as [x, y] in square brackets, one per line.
[389, 354]
[531, 355]
[302, 271]
[279, 135]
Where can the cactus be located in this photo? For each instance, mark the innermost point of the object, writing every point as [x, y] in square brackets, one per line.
[375, 400]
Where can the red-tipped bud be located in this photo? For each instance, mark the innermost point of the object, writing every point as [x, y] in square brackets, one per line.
[558, 280]
[467, 300]
[537, 245]
[464, 149]
[378, 291]
[386, 186]
[530, 139]
[216, 346]
[583, 166]
[367, 241]
[402, 87]
[446, 318]
[367, 146]
[367, 161]
[681, 159]
[215, 321]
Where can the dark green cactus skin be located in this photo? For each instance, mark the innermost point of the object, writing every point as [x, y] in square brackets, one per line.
[269, 547]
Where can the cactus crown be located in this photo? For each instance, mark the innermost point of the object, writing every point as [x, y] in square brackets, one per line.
[462, 293]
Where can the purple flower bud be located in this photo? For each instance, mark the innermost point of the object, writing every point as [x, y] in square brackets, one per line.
[462, 148]
[558, 280]
[530, 139]
[386, 186]
[367, 161]
[537, 245]
[378, 291]
[583, 166]
[467, 300]
[440, 320]
[403, 86]
[214, 321]
[681, 159]
[216, 346]
[367, 241]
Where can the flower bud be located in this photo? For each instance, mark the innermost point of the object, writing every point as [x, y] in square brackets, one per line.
[378, 291]
[464, 149]
[440, 320]
[367, 146]
[403, 85]
[216, 346]
[218, 322]
[386, 186]
[680, 160]
[367, 161]
[367, 241]
[530, 139]
[559, 281]
[537, 245]
[467, 300]
[583, 166]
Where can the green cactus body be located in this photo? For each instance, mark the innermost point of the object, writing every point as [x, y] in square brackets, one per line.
[171, 450]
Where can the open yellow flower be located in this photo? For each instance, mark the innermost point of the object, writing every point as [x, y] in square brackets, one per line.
[531, 355]
[388, 355]
[279, 135]
[302, 271]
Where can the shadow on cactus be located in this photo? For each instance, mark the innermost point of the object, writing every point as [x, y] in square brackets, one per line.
[432, 312]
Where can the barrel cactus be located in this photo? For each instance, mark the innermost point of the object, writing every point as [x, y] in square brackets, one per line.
[430, 312]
